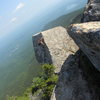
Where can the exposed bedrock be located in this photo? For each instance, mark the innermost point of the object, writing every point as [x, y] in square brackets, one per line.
[79, 77]
[53, 47]
[87, 37]
[92, 11]
[78, 80]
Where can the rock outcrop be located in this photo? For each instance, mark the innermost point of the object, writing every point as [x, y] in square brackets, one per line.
[53, 47]
[71, 85]
[87, 37]
[91, 31]
[79, 78]
[92, 11]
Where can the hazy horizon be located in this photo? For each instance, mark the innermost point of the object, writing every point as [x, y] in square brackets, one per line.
[15, 13]
[19, 20]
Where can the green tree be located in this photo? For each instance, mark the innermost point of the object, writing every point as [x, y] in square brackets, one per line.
[45, 82]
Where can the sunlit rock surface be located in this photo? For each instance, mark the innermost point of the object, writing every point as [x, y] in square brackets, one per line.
[71, 85]
[53, 46]
[79, 78]
[87, 37]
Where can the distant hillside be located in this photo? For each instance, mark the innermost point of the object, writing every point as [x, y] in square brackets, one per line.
[65, 20]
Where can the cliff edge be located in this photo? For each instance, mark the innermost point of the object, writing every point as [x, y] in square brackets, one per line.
[53, 46]
[79, 68]
[87, 37]
[92, 11]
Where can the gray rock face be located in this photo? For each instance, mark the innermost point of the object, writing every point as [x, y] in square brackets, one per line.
[78, 80]
[92, 11]
[54, 47]
[87, 37]
[72, 85]
[93, 1]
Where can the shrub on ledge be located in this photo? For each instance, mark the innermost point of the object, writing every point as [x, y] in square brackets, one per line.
[45, 82]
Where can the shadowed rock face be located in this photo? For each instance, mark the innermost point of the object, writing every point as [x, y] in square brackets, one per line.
[54, 48]
[92, 11]
[42, 52]
[94, 1]
[78, 79]
[72, 84]
[87, 37]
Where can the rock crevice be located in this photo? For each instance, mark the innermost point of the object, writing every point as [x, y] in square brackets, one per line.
[87, 37]
[79, 77]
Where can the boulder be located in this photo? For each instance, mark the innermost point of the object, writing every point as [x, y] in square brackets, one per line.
[72, 84]
[78, 80]
[53, 46]
[87, 37]
[92, 11]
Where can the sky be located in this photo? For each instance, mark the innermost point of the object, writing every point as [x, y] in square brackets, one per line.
[15, 12]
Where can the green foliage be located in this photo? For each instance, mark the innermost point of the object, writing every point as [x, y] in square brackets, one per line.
[45, 82]
[18, 98]
[25, 95]
[65, 20]
[48, 70]
[18, 69]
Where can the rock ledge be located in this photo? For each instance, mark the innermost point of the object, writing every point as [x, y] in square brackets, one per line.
[53, 46]
[87, 37]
